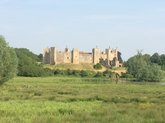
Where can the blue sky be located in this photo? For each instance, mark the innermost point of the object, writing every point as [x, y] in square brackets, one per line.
[128, 25]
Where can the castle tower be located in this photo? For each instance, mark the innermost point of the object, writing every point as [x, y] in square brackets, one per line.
[46, 56]
[75, 56]
[112, 56]
[67, 56]
[52, 55]
[96, 55]
[116, 55]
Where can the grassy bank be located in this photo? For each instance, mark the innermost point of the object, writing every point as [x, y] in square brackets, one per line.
[78, 100]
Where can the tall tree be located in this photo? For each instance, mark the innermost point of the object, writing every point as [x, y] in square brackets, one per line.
[162, 58]
[27, 63]
[8, 61]
[155, 58]
[142, 69]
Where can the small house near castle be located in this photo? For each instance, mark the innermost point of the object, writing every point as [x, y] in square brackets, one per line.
[109, 58]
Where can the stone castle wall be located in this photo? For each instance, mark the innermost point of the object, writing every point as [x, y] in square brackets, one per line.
[60, 57]
[46, 58]
[53, 56]
[75, 56]
[85, 57]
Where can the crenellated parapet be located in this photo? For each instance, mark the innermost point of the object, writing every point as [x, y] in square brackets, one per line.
[108, 58]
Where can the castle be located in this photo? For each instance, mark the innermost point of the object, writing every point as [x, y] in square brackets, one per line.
[109, 58]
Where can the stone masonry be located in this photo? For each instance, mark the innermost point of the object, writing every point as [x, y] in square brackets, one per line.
[109, 58]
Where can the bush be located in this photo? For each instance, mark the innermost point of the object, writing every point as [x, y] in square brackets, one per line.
[76, 73]
[61, 72]
[84, 73]
[8, 61]
[68, 72]
[97, 66]
[107, 74]
[126, 75]
[99, 74]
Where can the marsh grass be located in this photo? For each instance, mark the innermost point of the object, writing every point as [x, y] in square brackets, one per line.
[79, 100]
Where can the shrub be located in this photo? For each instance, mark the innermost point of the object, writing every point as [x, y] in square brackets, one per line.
[107, 73]
[126, 75]
[97, 66]
[61, 72]
[76, 73]
[84, 73]
[99, 74]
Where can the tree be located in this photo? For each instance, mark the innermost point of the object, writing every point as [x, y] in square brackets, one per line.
[40, 56]
[155, 58]
[142, 69]
[27, 64]
[162, 58]
[8, 61]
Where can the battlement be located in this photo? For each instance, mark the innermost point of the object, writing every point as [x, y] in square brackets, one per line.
[108, 58]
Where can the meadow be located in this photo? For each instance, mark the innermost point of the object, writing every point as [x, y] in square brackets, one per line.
[79, 100]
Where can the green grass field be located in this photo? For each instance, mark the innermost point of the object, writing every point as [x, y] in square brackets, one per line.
[79, 100]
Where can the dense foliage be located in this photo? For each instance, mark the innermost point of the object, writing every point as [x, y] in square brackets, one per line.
[69, 72]
[28, 64]
[97, 66]
[158, 59]
[8, 61]
[144, 68]
[82, 73]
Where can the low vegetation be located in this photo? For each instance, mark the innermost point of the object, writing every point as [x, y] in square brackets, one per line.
[97, 66]
[79, 100]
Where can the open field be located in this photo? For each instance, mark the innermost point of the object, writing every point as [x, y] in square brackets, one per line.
[79, 100]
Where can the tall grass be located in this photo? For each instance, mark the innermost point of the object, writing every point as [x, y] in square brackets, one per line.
[79, 100]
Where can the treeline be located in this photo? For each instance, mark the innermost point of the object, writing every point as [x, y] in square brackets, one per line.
[158, 59]
[146, 67]
[29, 64]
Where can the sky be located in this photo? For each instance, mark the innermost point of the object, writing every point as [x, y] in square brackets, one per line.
[128, 25]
